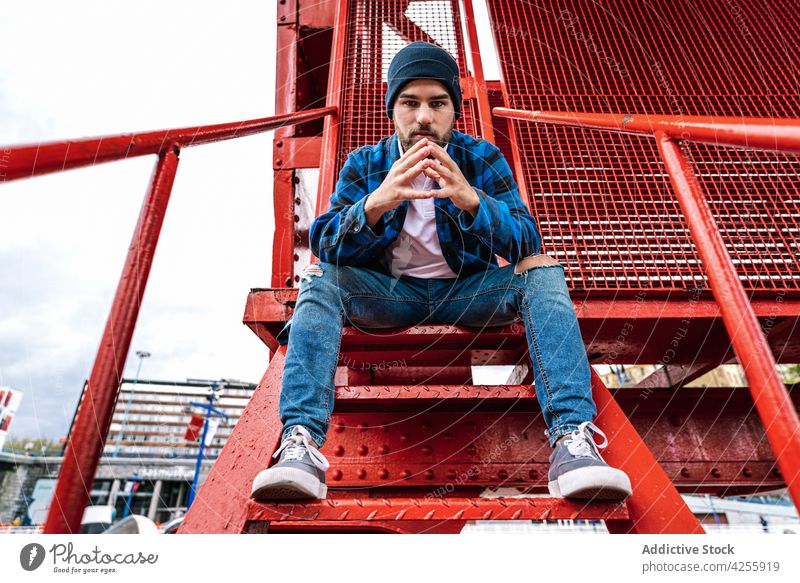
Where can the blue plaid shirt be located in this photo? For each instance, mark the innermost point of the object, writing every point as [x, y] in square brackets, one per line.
[502, 225]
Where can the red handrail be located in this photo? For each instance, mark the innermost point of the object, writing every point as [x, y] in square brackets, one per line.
[775, 134]
[770, 396]
[35, 159]
[93, 418]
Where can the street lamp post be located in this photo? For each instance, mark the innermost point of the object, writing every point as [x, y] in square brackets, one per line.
[210, 410]
[142, 355]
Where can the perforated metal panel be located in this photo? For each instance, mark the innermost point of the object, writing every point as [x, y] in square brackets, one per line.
[377, 31]
[604, 201]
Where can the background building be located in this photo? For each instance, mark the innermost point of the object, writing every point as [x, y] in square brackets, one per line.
[9, 403]
[147, 465]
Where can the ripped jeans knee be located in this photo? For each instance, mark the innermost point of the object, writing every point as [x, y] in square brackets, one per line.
[533, 261]
[311, 270]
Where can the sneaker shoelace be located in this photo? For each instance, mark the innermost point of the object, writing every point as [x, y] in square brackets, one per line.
[297, 445]
[581, 442]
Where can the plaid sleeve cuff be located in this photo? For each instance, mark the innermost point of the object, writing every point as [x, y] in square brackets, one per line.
[481, 222]
[358, 228]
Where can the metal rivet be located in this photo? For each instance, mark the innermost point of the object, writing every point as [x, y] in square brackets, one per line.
[533, 474]
[339, 428]
[502, 474]
[338, 451]
[406, 474]
[427, 449]
[279, 144]
[405, 438]
[362, 473]
[383, 474]
[383, 450]
[746, 472]
[451, 474]
[684, 472]
[337, 474]
[715, 472]
[676, 420]
[472, 450]
[429, 474]
[362, 450]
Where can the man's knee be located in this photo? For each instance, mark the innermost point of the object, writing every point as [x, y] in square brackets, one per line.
[312, 270]
[532, 261]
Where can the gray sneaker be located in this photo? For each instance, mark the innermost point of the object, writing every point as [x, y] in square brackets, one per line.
[300, 472]
[577, 470]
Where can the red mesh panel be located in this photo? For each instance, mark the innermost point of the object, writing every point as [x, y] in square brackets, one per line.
[376, 31]
[604, 201]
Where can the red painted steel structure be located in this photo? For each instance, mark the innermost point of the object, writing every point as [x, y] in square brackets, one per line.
[92, 421]
[360, 47]
[776, 409]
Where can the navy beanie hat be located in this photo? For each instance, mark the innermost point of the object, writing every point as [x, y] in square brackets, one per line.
[421, 60]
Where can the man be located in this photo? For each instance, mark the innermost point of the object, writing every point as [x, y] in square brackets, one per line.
[410, 238]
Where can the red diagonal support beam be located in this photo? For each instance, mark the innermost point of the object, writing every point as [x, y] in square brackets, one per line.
[656, 506]
[221, 504]
[772, 401]
[96, 408]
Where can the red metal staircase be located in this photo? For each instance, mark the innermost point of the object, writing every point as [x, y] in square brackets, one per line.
[395, 401]
[665, 265]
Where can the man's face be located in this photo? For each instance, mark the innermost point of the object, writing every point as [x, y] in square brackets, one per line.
[423, 109]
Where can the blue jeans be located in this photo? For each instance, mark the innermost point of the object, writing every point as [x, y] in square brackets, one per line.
[332, 295]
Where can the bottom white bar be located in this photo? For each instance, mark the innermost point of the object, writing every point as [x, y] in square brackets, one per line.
[372, 558]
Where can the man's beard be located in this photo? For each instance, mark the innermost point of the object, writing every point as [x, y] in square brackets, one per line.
[409, 141]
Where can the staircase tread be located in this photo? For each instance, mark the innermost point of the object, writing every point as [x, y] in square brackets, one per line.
[353, 392]
[426, 508]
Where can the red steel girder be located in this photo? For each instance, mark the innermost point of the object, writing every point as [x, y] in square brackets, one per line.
[652, 327]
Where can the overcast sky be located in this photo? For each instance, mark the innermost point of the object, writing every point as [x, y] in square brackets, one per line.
[80, 68]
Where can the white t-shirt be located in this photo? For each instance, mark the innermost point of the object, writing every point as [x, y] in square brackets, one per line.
[416, 251]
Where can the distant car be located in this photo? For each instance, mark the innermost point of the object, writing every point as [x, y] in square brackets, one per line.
[133, 524]
[97, 519]
[172, 526]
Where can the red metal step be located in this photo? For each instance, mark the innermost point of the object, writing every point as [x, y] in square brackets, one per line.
[436, 509]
